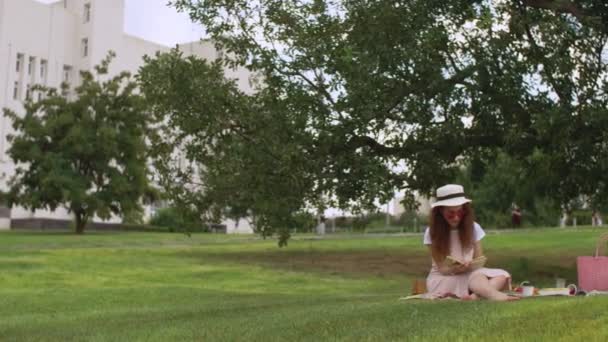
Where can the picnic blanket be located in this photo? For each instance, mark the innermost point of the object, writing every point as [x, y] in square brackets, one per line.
[542, 292]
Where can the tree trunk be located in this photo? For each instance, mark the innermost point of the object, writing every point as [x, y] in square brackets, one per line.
[81, 222]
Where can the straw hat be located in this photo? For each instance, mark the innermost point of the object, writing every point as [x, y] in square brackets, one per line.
[450, 195]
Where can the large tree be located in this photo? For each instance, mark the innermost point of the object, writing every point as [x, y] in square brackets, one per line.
[359, 98]
[83, 149]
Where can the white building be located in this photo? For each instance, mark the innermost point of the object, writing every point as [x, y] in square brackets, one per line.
[50, 43]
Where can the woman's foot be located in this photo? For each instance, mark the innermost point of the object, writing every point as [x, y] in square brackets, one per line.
[502, 297]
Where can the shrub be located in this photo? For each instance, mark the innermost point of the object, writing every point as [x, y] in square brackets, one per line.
[305, 222]
[412, 221]
[360, 223]
[177, 219]
[583, 217]
[133, 217]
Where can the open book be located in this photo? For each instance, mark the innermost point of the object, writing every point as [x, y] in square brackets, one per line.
[475, 263]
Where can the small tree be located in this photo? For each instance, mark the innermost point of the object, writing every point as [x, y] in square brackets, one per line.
[85, 151]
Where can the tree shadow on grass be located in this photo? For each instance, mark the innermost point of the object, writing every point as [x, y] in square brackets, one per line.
[354, 263]
[540, 270]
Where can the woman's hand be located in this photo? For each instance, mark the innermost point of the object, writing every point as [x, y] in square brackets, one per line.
[456, 269]
[462, 268]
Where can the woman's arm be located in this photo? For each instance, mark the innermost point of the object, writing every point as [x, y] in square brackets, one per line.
[444, 269]
[477, 250]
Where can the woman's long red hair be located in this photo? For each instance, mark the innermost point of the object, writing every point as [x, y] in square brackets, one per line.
[440, 232]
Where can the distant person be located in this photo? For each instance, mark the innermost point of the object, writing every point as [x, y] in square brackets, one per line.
[453, 231]
[516, 217]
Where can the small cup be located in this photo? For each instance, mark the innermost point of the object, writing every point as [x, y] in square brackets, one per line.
[560, 282]
[527, 291]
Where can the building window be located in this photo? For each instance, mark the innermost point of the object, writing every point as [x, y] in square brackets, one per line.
[28, 92]
[30, 65]
[87, 12]
[85, 47]
[16, 91]
[19, 62]
[43, 70]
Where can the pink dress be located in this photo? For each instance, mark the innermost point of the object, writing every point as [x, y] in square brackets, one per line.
[439, 285]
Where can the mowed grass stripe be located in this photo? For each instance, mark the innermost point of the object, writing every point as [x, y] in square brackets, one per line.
[169, 287]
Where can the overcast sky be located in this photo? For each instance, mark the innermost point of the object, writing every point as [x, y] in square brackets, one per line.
[154, 21]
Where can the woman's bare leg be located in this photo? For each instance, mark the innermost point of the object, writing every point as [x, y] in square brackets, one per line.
[499, 282]
[481, 286]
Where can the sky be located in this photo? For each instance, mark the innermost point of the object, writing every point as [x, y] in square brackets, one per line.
[153, 20]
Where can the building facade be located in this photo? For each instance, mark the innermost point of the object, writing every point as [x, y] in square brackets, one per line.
[51, 43]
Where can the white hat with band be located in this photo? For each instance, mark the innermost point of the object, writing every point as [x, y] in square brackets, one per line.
[450, 195]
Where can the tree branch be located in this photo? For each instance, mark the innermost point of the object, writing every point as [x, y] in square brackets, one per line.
[558, 6]
[568, 7]
[431, 89]
[564, 99]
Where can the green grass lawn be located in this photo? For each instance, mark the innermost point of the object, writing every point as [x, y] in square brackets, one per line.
[168, 287]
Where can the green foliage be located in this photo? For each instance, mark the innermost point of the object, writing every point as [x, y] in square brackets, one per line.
[545, 213]
[82, 148]
[342, 223]
[229, 143]
[359, 223]
[360, 98]
[412, 221]
[376, 222]
[583, 218]
[498, 182]
[133, 217]
[178, 219]
[305, 222]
